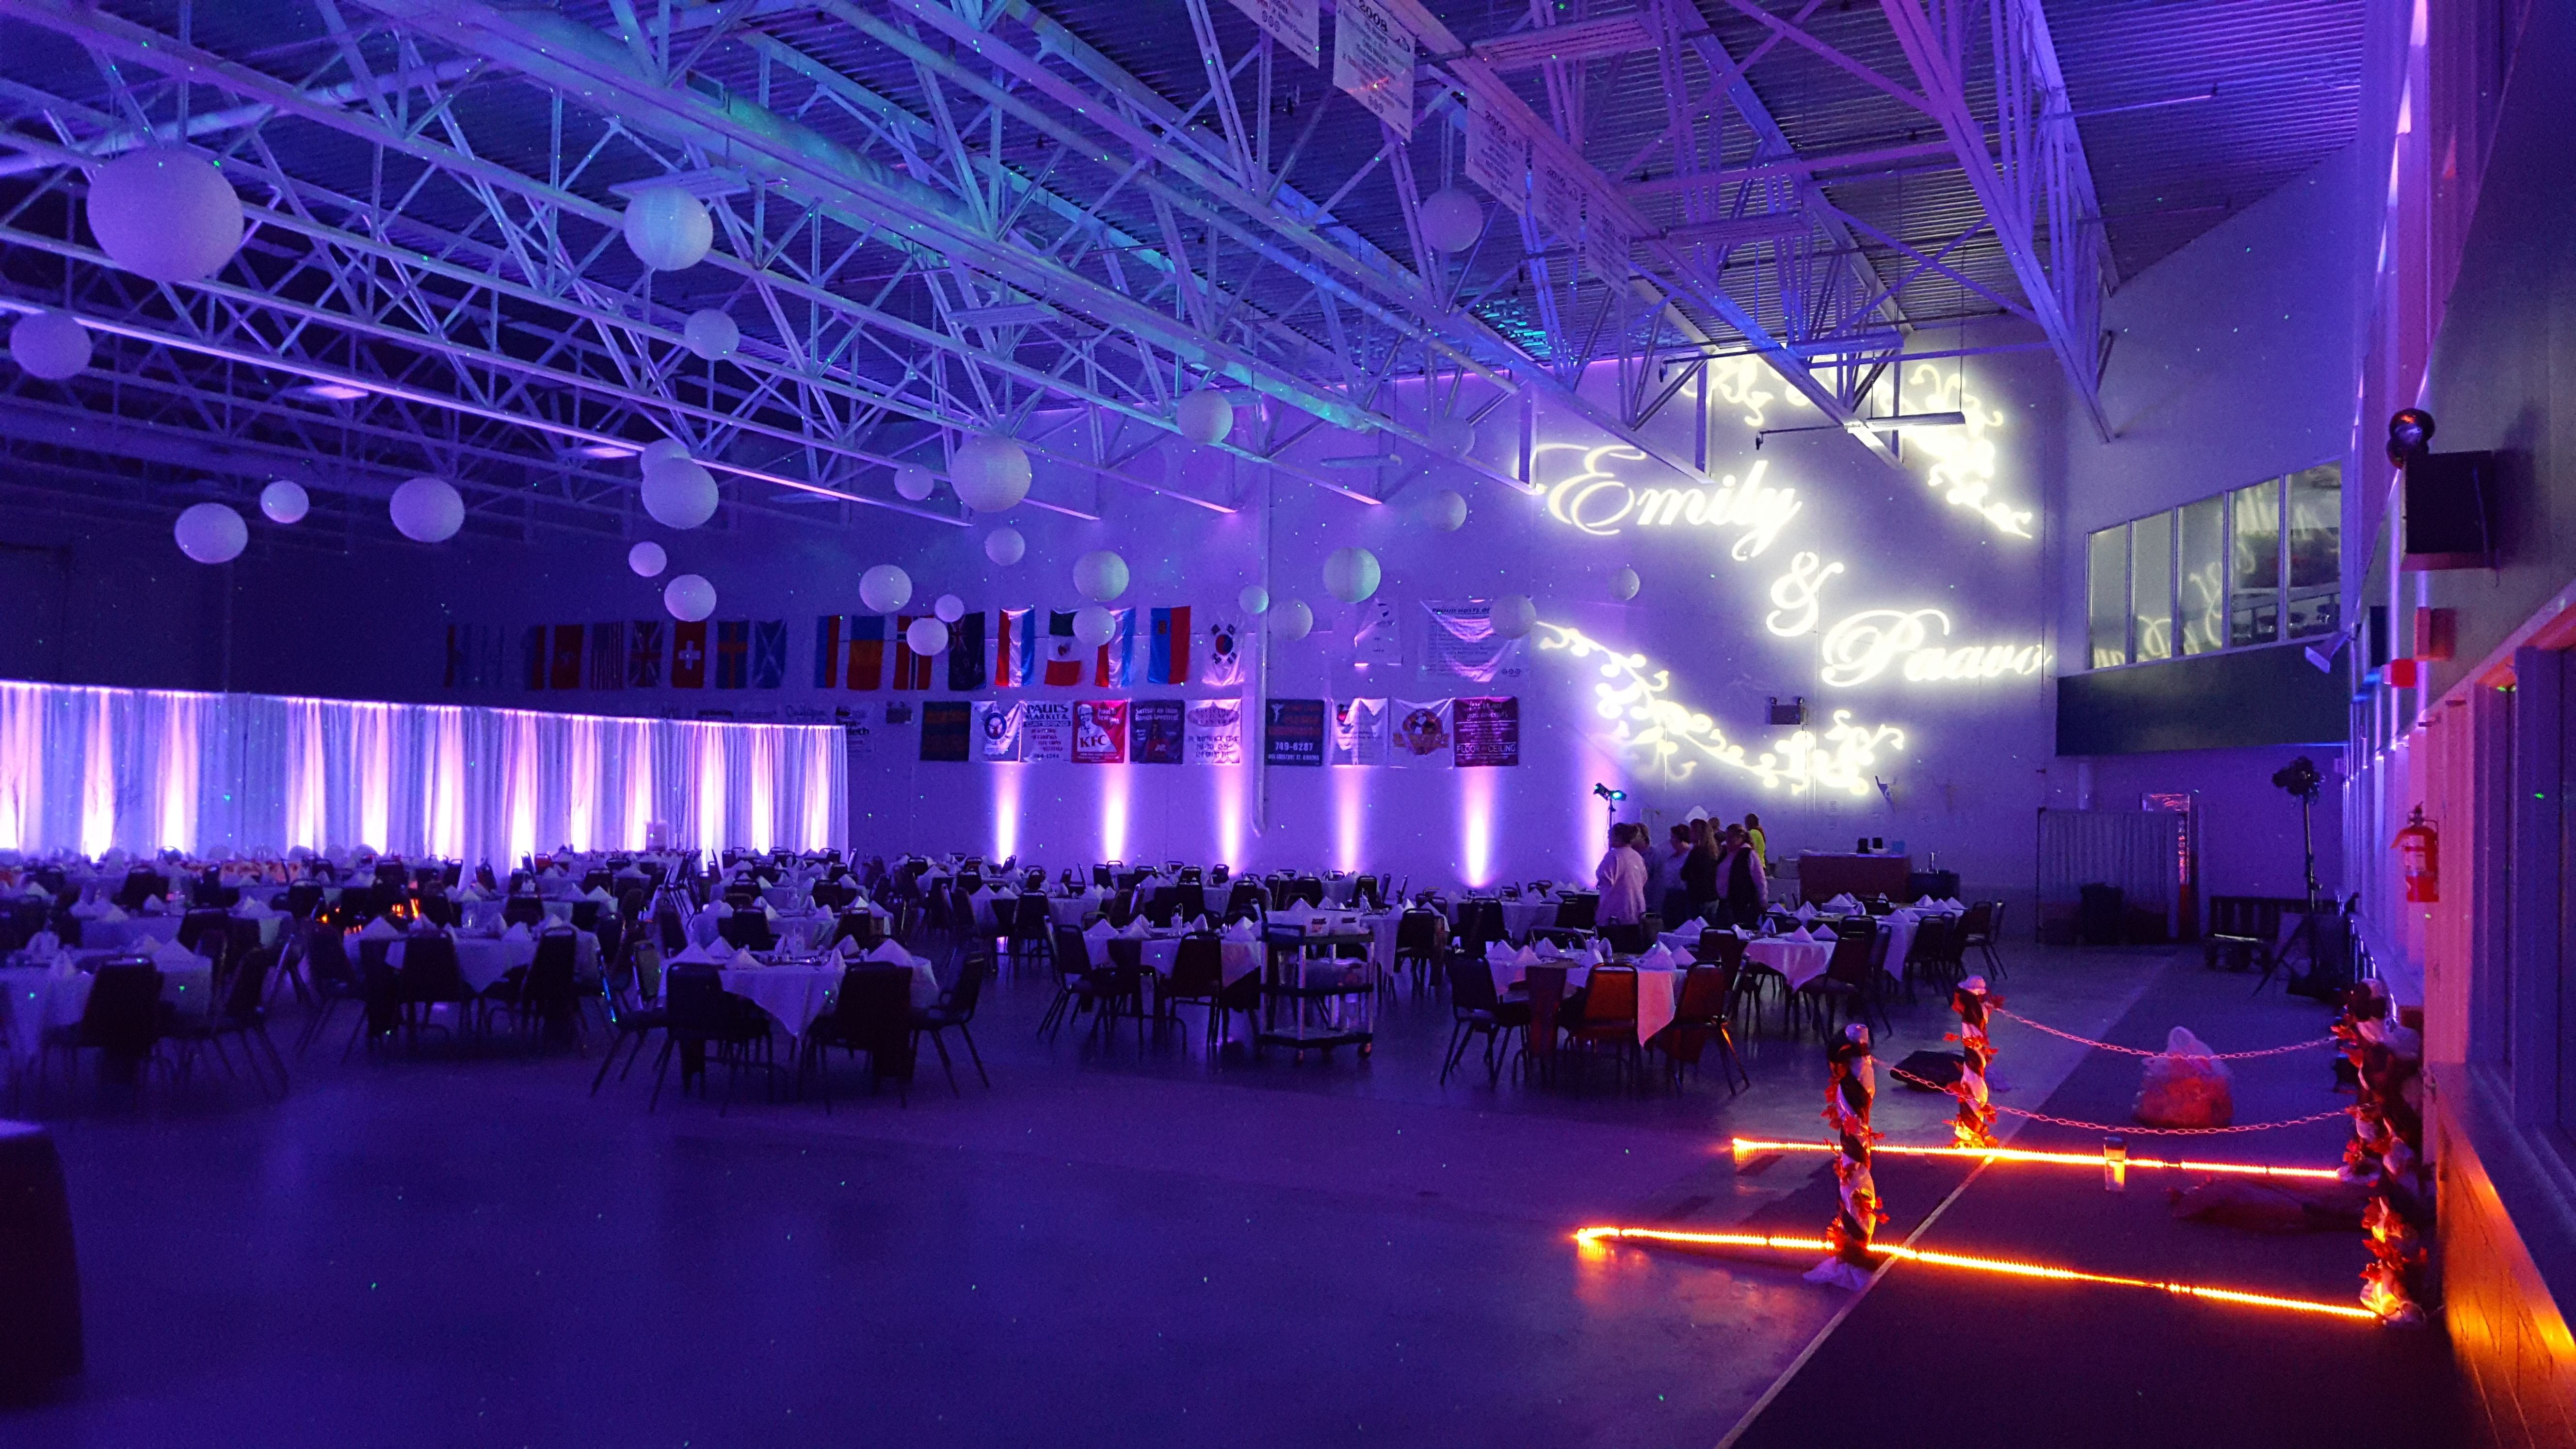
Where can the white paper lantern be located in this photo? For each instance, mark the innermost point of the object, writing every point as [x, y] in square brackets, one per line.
[1451, 435]
[668, 229]
[1004, 546]
[1094, 625]
[885, 589]
[1291, 620]
[1351, 574]
[211, 533]
[991, 474]
[428, 510]
[689, 598]
[165, 213]
[1205, 416]
[1100, 575]
[679, 493]
[285, 502]
[663, 450]
[927, 637]
[1255, 599]
[1451, 219]
[1624, 584]
[711, 334]
[647, 560]
[1514, 616]
[50, 345]
[1445, 511]
[950, 608]
[914, 482]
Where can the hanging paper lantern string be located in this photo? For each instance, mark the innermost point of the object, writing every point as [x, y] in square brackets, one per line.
[1848, 1094]
[1975, 1124]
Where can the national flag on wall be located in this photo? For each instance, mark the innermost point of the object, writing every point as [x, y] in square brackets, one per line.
[534, 656]
[1168, 661]
[1015, 647]
[474, 656]
[1221, 663]
[866, 665]
[733, 653]
[1116, 666]
[608, 656]
[566, 673]
[827, 651]
[966, 652]
[689, 655]
[1063, 652]
[644, 654]
[911, 671]
[769, 654]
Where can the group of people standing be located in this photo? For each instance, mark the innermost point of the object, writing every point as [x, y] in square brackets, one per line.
[1706, 871]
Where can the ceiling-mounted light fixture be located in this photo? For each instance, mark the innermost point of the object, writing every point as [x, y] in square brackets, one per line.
[326, 392]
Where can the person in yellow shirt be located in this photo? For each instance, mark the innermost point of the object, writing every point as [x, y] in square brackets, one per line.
[1753, 828]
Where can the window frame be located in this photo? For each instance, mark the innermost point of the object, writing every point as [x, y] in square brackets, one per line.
[2280, 486]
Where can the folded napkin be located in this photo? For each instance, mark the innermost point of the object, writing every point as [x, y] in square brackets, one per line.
[1799, 934]
[1099, 931]
[1806, 913]
[1198, 925]
[467, 893]
[599, 893]
[769, 910]
[850, 947]
[743, 960]
[1529, 956]
[1843, 902]
[172, 955]
[696, 955]
[518, 932]
[155, 906]
[44, 945]
[1659, 957]
[33, 889]
[1135, 929]
[719, 909]
[1953, 903]
[380, 929]
[1924, 901]
[1498, 953]
[1826, 933]
[1242, 931]
[891, 953]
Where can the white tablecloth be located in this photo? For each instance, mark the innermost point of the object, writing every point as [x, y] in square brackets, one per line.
[1520, 916]
[1658, 990]
[484, 960]
[796, 995]
[33, 999]
[1799, 961]
[119, 935]
[1235, 959]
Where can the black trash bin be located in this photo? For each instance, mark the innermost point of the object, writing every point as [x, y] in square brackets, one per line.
[40, 1328]
[2098, 918]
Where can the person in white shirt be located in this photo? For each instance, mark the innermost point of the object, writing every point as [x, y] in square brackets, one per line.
[1622, 879]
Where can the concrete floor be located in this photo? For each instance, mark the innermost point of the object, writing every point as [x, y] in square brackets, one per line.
[1108, 1246]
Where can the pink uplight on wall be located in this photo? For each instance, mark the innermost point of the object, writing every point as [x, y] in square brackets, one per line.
[1006, 811]
[1114, 786]
[1350, 806]
[177, 751]
[98, 780]
[1229, 814]
[22, 767]
[1476, 824]
[375, 777]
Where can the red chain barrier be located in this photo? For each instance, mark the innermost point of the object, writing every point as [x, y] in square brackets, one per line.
[2300, 1046]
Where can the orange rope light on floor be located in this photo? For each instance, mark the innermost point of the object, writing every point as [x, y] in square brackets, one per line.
[1594, 1237]
[1748, 1146]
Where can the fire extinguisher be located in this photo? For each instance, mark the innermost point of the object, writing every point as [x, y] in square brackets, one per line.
[2419, 852]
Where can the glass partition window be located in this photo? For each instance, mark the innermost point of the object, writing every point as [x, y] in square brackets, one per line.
[2151, 587]
[2251, 566]
[2254, 564]
[2107, 570]
[2200, 563]
[2316, 543]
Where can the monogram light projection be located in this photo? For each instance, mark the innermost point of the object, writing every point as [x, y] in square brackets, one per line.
[1963, 460]
[1598, 501]
[1672, 741]
[1865, 645]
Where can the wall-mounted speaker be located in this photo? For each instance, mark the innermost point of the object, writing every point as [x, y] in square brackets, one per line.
[1792, 714]
[2450, 511]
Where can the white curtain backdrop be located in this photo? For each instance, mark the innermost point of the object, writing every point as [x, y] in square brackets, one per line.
[87, 769]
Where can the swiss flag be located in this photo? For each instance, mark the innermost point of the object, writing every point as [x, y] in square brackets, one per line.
[689, 655]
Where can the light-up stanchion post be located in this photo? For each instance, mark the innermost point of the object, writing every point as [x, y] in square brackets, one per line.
[1975, 1124]
[1848, 1092]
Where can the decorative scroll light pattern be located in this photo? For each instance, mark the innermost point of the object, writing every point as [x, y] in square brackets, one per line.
[1738, 382]
[1667, 739]
[1963, 459]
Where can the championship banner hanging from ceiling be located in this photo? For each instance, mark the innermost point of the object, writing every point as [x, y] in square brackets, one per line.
[1462, 642]
[1373, 62]
[1297, 25]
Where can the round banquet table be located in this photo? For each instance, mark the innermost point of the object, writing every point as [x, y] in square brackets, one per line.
[36, 998]
[795, 994]
[1658, 989]
[484, 960]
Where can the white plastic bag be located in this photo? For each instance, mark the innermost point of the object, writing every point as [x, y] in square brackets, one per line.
[2186, 1087]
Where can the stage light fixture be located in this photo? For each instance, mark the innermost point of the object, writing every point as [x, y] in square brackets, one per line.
[2410, 431]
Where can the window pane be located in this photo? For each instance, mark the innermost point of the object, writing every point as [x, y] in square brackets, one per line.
[2201, 557]
[2254, 570]
[2107, 568]
[2316, 537]
[2151, 585]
